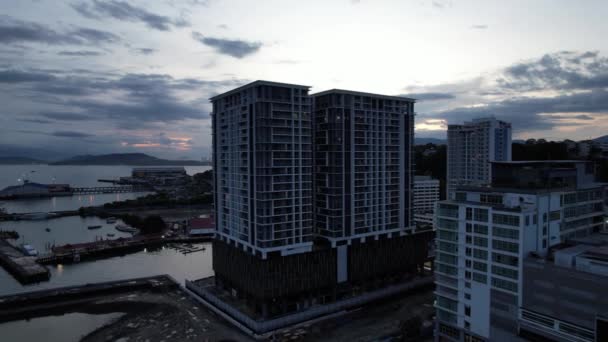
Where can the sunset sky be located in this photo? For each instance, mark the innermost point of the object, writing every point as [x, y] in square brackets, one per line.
[99, 76]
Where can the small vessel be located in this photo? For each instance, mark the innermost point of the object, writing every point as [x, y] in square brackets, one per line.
[47, 229]
[29, 250]
[94, 227]
[111, 220]
[110, 234]
[126, 229]
[35, 216]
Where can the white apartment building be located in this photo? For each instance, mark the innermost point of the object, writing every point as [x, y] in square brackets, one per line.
[472, 146]
[262, 148]
[363, 165]
[426, 194]
[485, 233]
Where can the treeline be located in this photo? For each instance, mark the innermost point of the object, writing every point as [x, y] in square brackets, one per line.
[152, 224]
[431, 160]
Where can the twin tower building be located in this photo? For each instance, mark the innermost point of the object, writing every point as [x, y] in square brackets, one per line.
[313, 195]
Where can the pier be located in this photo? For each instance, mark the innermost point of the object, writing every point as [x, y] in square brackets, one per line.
[24, 268]
[107, 189]
[77, 252]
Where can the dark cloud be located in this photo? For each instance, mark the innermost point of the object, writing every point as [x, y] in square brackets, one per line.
[479, 27]
[16, 76]
[564, 70]
[80, 53]
[430, 96]
[145, 51]
[536, 113]
[66, 116]
[121, 10]
[17, 31]
[71, 134]
[234, 48]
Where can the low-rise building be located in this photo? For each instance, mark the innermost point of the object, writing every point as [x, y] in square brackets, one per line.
[484, 234]
[426, 194]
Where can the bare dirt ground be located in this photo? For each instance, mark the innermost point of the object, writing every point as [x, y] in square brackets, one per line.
[172, 317]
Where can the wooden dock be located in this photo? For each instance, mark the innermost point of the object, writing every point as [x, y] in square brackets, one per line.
[24, 268]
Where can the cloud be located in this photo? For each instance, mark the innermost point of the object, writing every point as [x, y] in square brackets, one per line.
[18, 31]
[37, 121]
[80, 53]
[234, 48]
[564, 70]
[430, 96]
[66, 116]
[441, 4]
[16, 76]
[71, 134]
[560, 90]
[145, 51]
[222, 26]
[479, 27]
[124, 11]
[161, 140]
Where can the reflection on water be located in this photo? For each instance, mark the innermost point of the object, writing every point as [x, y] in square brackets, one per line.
[142, 264]
[69, 327]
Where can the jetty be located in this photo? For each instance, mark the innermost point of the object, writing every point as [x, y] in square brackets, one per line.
[24, 268]
[71, 253]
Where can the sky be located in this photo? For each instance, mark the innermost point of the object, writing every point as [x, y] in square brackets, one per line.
[106, 76]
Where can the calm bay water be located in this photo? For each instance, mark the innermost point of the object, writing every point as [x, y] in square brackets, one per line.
[74, 175]
[74, 230]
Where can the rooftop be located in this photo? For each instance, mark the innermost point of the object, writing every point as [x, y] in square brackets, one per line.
[257, 83]
[359, 93]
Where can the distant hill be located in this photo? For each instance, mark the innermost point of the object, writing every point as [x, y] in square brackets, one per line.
[424, 141]
[20, 161]
[602, 139]
[124, 159]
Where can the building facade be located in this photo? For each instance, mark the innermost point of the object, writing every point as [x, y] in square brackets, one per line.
[484, 234]
[285, 242]
[470, 149]
[262, 148]
[363, 166]
[426, 194]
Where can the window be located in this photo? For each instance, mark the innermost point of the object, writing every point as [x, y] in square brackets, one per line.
[480, 254]
[467, 296]
[480, 278]
[527, 220]
[554, 215]
[469, 239]
[469, 227]
[447, 330]
[505, 233]
[509, 220]
[481, 229]
[504, 284]
[447, 224]
[467, 263]
[461, 196]
[505, 246]
[469, 212]
[480, 266]
[467, 284]
[467, 251]
[505, 259]
[467, 310]
[491, 199]
[479, 241]
[448, 210]
[481, 215]
[504, 272]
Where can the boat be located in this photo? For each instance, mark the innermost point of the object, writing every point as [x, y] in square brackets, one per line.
[110, 234]
[111, 220]
[94, 227]
[47, 229]
[29, 250]
[126, 229]
[35, 216]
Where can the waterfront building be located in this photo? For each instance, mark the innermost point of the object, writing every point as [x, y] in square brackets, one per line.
[33, 190]
[485, 233]
[426, 194]
[472, 146]
[363, 165]
[283, 252]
